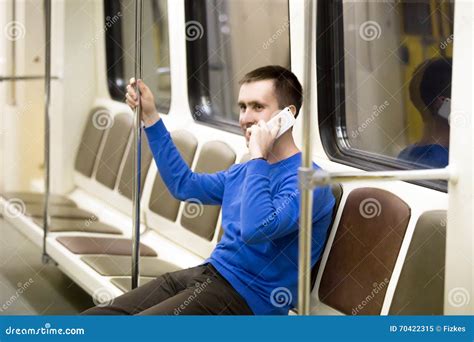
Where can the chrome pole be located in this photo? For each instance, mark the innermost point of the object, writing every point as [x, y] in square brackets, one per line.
[137, 143]
[306, 206]
[47, 123]
[320, 177]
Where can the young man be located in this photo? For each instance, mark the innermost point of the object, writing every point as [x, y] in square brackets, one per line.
[253, 269]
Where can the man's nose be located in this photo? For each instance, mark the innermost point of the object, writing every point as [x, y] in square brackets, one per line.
[247, 117]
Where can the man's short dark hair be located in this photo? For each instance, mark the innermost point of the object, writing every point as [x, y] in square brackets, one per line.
[288, 89]
[436, 80]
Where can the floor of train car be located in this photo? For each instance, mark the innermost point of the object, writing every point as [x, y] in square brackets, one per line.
[45, 289]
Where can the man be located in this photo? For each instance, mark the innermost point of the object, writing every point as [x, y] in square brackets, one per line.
[253, 269]
[430, 87]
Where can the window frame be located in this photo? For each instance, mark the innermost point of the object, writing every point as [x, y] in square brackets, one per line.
[198, 71]
[331, 99]
[116, 84]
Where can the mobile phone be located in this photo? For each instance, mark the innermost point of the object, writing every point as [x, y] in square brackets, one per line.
[445, 109]
[287, 121]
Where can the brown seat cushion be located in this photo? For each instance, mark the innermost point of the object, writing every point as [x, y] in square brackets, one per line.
[38, 198]
[78, 225]
[119, 265]
[364, 251]
[102, 245]
[58, 211]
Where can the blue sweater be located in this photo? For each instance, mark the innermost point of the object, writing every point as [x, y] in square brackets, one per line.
[258, 253]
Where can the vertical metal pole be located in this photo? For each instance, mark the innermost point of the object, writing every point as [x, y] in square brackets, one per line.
[137, 143]
[47, 123]
[306, 206]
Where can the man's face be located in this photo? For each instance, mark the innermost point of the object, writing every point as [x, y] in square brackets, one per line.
[257, 101]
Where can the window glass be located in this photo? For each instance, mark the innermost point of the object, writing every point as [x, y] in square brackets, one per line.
[226, 39]
[120, 33]
[393, 71]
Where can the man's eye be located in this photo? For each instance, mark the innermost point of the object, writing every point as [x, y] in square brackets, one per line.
[258, 107]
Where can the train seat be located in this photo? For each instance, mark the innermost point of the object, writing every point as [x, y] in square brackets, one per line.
[202, 219]
[363, 255]
[420, 288]
[102, 245]
[85, 160]
[337, 193]
[38, 198]
[108, 265]
[78, 225]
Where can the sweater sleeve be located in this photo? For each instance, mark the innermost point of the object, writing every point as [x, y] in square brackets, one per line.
[265, 216]
[182, 183]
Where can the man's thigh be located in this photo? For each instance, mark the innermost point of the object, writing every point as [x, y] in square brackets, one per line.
[149, 294]
[205, 295]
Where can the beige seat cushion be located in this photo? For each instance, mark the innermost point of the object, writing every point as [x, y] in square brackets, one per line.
[420, 288]
[98, 122]
[38, 198]
[202, 219]
[117, 265]
[101, 245]
[113, 153]
[125, 283]
[79, 225]
[161, 200]
[37, 210]
[364, 251]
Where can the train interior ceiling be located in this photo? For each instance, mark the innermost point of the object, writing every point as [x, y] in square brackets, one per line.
[394, 247]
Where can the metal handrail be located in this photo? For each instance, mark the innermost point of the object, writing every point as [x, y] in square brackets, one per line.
[304, 255]
[26, 78]
[137, 143]
[311, 178]
[47, 124]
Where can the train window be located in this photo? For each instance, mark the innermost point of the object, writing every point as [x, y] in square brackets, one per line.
[120, 48]
[225, 40]
[384, 83]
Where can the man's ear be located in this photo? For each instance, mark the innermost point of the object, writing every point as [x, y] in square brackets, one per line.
[293, 109]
